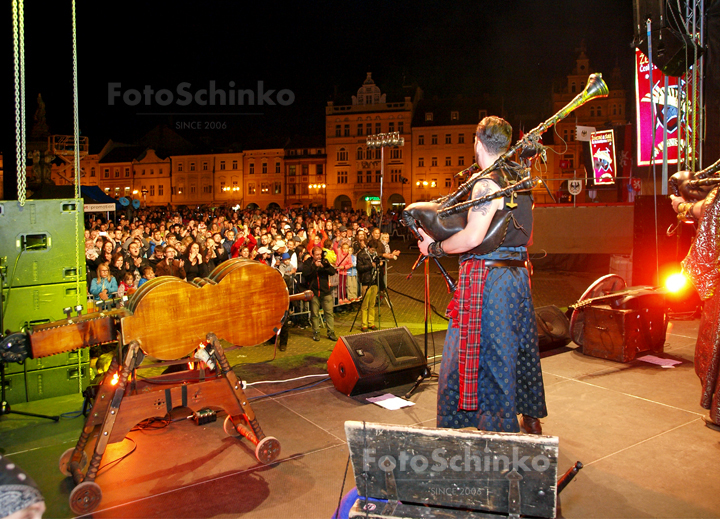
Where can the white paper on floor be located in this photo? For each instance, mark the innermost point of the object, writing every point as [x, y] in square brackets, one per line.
[389, 401]
[665, 363]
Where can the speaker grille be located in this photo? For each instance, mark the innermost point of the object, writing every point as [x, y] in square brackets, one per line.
[383, 350]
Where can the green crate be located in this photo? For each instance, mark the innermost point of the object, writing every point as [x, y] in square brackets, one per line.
[38, 241]
[61, 359]
[52, 382]
[33, 305]
[15, 388]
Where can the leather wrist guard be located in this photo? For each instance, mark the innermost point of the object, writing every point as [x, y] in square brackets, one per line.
[435, 250]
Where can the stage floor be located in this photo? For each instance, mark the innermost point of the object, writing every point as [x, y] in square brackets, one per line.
[636, 427]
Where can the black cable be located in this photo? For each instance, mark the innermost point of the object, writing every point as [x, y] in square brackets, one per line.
[337, 511]
[419, 301]
[304, 386]
[118, 460]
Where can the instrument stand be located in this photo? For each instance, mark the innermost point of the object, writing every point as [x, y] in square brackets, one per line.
[5, 407]
[426, 372]
[118, 407]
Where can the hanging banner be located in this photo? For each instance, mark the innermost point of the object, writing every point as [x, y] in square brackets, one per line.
[672, 118]
[602, 148]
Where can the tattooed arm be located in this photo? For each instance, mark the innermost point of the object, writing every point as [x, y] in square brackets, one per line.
[479, 219]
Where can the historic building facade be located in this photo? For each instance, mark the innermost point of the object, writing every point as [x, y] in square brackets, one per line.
[353, 170]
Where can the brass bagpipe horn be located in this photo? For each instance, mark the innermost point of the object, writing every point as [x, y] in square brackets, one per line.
[445, 216]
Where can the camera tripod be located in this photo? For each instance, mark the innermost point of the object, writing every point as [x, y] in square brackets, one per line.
[382, 292]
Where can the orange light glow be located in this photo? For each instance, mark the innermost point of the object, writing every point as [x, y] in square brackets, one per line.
[676, 282]
[114, 380]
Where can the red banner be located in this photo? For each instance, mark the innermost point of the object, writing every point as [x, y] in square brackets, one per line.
[602, 148]
[671, 117]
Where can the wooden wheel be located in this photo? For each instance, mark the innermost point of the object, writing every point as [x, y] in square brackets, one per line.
[65, 460]
[267, 450]
[602, 286]
[85, 497]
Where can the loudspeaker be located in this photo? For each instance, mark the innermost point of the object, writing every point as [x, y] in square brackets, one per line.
[39, 241]
[375, 360]
[553, 327]
[30, 306]
[673, 51]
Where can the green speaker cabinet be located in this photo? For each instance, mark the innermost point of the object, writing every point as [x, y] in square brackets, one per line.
[15, 388]
[32, 305]
[42, 242]
[60, 381]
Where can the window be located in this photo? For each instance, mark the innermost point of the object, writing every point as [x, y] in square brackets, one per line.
[277, 167]
[573, 87]
[291, 171]
[342, 177]
[592, 111]
[152, 171]
[251, 170]
[599, 111]
[570, 159]
[342, 155]
[359, 177]
[448, 161]
[360, 154]
[400, 127]
[117, 172]
[222, 186]
[264, 188]
[251, 188]
[234, 164]
[152, 190]
[360, 129]
[368, 177]
[428, 116]
[207, 188]
[222, 164]
[421, 162]
[377, 176]
[180, 166]
[434, 139]
[421, 140]
[291, 189]
[337, 130]
[391, 127]
[448, 182]
[346, 133]
[319, 169]
[193, 188]
[461, 138]
[305, 169]
[482, 114]
[368, 127]
[461, 161]
[448, 138]
[377, 128]
[192, 166]
[205, 166]
[277, 188]
[264, 168]
[395, 153]
[394, 175]
[160, 190]
[143, 172]
[454, 116]
[92, 172]
[433, 162]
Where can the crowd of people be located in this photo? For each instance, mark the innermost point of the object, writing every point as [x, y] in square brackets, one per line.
[339, 255]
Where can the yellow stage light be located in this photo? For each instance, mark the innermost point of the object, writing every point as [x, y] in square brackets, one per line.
[676, 282]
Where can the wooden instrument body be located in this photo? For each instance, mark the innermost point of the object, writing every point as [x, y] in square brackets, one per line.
[244, 303]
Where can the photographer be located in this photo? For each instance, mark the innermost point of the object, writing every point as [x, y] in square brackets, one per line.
[316, 272]
[368, 266]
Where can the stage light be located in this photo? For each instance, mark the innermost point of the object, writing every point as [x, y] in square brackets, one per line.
[676, 282]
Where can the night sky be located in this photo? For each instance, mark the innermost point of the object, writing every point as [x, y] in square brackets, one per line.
[511, 50]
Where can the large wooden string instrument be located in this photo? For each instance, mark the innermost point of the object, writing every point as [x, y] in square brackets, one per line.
[447, 216]
[242, 301]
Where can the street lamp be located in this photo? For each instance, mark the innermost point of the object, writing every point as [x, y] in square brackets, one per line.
[319, 187]
[382, 141]
[144, 194]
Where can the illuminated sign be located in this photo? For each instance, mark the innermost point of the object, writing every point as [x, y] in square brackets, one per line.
[372, 198]
[670, 117]
[602, 148]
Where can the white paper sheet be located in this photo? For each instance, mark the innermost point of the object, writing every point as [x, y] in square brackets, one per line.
[389, 401]
[665, 363]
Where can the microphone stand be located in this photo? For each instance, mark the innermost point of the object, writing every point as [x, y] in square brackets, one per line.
[426, 372]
